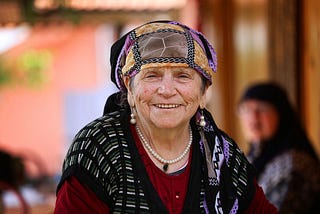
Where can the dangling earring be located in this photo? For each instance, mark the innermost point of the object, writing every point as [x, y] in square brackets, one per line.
[202, 121]
[133, 119]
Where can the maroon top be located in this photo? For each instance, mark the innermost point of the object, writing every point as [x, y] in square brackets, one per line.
[73, 197]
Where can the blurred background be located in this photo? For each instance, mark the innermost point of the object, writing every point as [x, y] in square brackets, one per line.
[54, 72]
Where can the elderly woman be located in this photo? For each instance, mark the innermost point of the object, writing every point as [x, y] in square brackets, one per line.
[287, 166]
[156, 149]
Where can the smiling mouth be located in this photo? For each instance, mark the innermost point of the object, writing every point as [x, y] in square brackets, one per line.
[167, 106]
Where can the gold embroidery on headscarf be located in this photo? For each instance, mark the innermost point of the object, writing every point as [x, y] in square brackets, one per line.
[167, 64]
[201, 59]
[149, 28]
[129, 62]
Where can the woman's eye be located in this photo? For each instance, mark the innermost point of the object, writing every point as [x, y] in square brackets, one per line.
[150, 76]
[184, 76]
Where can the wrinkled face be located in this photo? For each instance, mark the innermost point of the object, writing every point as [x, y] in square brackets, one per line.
[259, 120]
[165, 97]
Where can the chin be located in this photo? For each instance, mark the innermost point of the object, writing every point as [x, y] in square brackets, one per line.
[166, 125]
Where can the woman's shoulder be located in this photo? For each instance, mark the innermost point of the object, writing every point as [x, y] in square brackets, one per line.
[106, 119]
[103, 123]
[98, 140]
[99, 134]
[94, 148]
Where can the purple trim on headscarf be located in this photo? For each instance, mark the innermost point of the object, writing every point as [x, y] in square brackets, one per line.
[123, 53]
[201, 71]
[128, 44]
[175, 23]
[133, 73]
[213, 59]
[212, 62]
[195, 37]
[118, 71]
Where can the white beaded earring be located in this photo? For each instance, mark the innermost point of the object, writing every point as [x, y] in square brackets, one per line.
[202, 121]
[132, 119]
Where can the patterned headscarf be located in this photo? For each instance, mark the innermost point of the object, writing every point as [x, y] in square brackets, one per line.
[159, 44]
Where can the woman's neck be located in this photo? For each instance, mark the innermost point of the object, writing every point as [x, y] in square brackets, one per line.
[165, 147]
[168, 139]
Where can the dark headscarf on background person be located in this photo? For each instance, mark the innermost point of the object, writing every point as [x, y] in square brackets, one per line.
[290, 133]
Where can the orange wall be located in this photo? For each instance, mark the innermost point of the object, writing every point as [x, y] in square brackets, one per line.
[31, 120]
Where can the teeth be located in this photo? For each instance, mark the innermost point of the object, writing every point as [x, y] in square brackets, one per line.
[167, 105]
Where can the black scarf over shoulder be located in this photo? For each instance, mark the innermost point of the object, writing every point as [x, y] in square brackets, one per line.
[104, 157]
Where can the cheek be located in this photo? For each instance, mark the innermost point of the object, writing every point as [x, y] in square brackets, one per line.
[146, 91]
[142, 94]
[193, 96]
[190, 92]
[189, 97]
[143, 87]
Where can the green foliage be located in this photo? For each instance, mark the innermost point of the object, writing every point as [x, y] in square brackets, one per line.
[33, 64]
[29, 69]
[5, 76]
[58, 11]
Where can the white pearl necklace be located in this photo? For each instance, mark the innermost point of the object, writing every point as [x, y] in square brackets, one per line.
[158, 157]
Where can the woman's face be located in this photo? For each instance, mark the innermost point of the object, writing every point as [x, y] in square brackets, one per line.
[259, 120]
[166, 97]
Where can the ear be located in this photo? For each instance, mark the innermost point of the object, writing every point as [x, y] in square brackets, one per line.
[126, 81]
[203, 98]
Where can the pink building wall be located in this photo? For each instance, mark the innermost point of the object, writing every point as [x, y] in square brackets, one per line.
[32, 119]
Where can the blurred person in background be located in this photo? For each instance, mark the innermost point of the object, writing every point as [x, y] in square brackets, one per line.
[286, 163]
[12, 177]
[157, 149]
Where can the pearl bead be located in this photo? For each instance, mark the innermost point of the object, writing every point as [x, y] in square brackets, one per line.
[133, 120]
[202, 121]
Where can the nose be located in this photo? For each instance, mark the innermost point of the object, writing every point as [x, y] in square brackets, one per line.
[167, 87]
